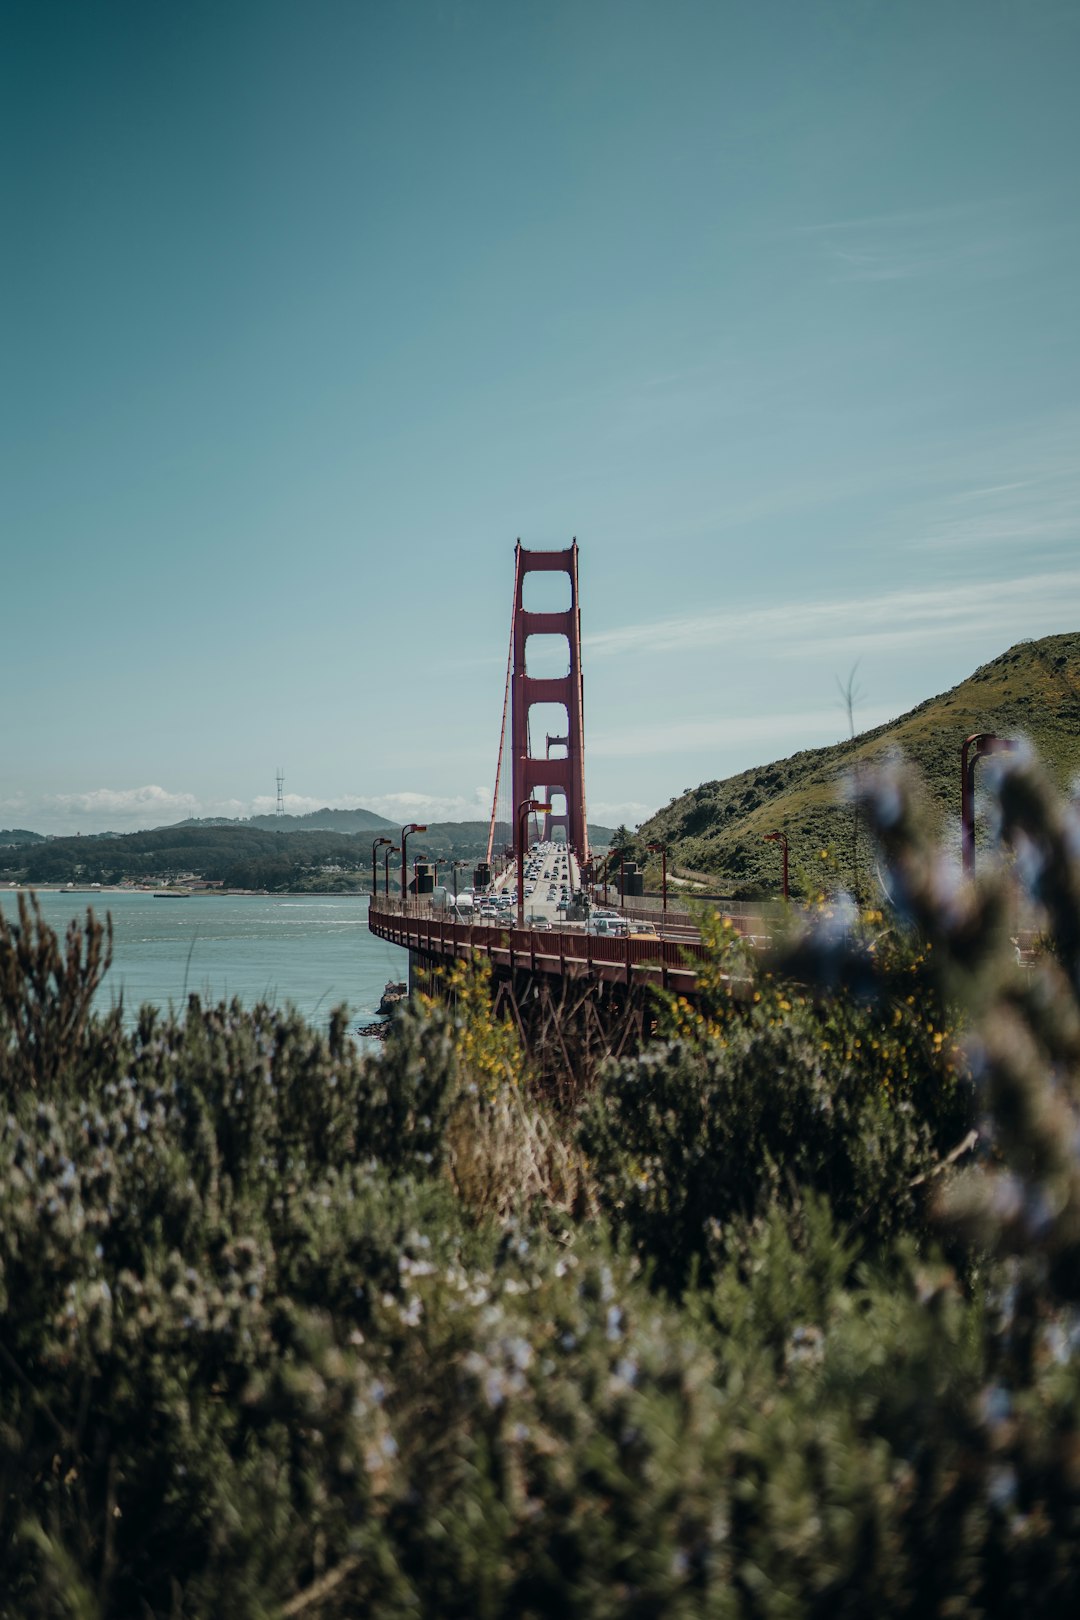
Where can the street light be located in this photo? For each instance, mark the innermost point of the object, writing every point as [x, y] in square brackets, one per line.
[391, 849]
[661, 850]
[781, 839]
[455, 867]
[527, 808]
[413, 826]
[374, 847]
[980, 743]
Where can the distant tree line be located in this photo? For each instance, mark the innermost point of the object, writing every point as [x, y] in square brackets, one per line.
[239, 857]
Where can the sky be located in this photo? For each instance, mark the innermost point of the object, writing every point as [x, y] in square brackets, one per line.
[310, 311]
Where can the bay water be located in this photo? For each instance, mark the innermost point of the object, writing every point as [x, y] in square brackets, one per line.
[311, 951]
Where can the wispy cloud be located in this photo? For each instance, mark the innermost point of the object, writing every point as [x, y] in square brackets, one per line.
[136, 809]
[105, 809]
[969, 239]
[413, 804]
[946, 215]
[803, 728]
[1033, 604]
[615, 812]
[145, 805]
[1042, 509]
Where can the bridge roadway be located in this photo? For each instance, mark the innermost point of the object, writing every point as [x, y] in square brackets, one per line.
[565, 952]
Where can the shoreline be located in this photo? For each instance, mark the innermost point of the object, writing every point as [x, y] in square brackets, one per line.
[196, 894]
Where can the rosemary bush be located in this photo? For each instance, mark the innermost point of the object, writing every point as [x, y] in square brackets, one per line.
[784, 1323]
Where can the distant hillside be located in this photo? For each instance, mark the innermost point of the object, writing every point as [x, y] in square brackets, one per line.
[240, 854]
[717, 830]
[469, 838]
[10, 836]
[326, 820]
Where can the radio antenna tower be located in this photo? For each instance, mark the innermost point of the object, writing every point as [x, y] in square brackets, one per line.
[280, 792]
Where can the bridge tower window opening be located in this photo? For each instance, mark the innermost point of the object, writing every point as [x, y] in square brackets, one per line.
[547, 657]
[547, 591]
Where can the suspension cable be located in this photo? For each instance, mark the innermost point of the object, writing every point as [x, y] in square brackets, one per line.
[506, 705]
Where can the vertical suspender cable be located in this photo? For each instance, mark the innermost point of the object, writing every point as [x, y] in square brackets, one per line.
[506, 704]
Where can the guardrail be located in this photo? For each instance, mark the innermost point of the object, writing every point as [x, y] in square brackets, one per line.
[417, 926]
[749, 916]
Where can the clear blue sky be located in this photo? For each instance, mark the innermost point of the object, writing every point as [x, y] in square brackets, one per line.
[309, 310]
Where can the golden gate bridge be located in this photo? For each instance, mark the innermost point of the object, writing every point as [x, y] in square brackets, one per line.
[542, 966]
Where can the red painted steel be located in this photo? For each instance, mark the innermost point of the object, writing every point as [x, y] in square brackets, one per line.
[537, 777]
[559, 955]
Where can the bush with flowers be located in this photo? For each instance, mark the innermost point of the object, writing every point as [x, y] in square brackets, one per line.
[781, 1321]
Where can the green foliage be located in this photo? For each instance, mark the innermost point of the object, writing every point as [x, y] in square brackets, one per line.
[268, 852]
[717, 828]
[767, 1091]
[273, 1341]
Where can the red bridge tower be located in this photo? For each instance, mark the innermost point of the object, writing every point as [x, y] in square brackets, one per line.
[536, 776]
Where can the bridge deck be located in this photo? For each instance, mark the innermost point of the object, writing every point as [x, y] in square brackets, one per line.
[563, 953]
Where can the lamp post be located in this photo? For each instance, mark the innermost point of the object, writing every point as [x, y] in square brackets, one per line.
[391, 849]
[374, 847]
[781, 839]
[661, 850]
[455, 867]
[413, 826]
[975, 747]
[526, 808]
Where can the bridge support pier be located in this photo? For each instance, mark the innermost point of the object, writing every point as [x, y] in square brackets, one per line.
[567, 1027]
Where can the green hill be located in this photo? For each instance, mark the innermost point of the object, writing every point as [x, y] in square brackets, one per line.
[326, 820]
[240, 855]
[10, 836]
[716, 831]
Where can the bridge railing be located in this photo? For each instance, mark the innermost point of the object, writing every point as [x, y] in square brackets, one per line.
[755, 917]
[416, 925]
[751, 916]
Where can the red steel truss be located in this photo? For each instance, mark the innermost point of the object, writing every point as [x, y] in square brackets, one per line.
[534, 777]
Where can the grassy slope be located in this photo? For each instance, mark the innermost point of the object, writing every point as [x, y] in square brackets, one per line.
[1031, 691]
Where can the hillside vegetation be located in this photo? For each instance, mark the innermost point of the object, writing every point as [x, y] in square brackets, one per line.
[242, 855]
[716, 830]
[325, 820]
[777, 1320]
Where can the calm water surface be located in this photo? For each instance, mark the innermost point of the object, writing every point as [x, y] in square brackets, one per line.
[311, 951]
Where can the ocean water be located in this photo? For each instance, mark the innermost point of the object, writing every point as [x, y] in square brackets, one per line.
[311, 951]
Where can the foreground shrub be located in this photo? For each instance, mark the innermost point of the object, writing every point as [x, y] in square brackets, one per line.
[272, 1341]
[769, 1091]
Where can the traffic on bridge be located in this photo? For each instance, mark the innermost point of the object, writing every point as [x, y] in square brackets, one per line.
[535, 909]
